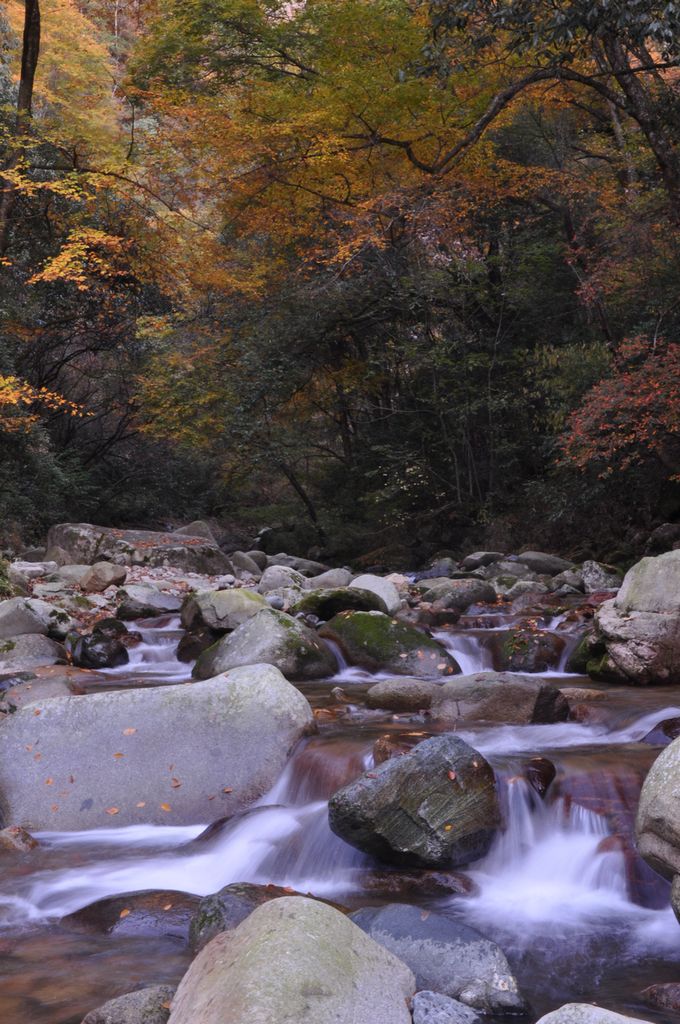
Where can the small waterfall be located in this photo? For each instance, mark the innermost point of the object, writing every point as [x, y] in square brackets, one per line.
[547, 864]
[156, 655]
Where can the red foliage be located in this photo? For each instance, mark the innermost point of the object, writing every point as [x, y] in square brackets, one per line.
[632, 416]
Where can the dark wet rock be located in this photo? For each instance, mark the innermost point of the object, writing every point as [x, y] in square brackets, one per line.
[271, 638]
[434, 1008]
[137, 602]
[499, 697]
[663, 538]
[663, 733]
[436, 806]
[586, 649]
[445, 956]
[539, 773]
[146, 1006]
[154, 912]
[394, 745]
[663, 997]
[16, 840]
[220, 610]
[102, 648]
[396, 885]
[227, 908]
[327, 603]
[295, 960]
[401, 694]
[540, 562]
[375, 641]
[526, 649]
[193, 643]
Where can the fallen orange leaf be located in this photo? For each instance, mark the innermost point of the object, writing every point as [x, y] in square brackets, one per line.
[166, 807]
[125, 912]
[112, 810]
[129, 732]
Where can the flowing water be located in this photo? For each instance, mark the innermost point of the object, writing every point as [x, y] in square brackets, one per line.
[562, 890]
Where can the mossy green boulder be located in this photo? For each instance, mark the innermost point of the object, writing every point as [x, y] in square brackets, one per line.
[327, 603]
[272, 638]
[221, 610]
[378, 642]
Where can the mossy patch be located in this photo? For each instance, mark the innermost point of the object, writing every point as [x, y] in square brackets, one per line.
[6, 588]
[378, 641]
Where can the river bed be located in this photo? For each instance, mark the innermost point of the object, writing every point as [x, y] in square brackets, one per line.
[579, 915]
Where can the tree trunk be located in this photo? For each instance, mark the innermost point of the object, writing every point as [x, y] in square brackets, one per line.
[29, 62]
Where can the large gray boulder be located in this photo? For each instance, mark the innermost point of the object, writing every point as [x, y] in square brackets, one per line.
[402, 694]
[20, 615]
[377, 642]
[146, 1006]
[436, 806]
[306, 566]
[331, 579]
[384, 589]
[277, 577]
[658, 818]
[445, 956]
[221, 610]
[542, 563]
[500, 697]
[274, 638]
[294, 960]
[460, 594]
[85, 543]
[598, 577]
[640, 627]
[585, 1013]
[102, 575]
[140, 602]
[30, 650]
[167, 755]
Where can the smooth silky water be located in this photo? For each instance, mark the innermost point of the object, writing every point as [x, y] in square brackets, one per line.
[562, 890]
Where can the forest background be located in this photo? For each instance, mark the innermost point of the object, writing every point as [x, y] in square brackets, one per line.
[389, 275]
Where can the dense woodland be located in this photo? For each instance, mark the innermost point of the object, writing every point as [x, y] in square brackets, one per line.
[391, 274]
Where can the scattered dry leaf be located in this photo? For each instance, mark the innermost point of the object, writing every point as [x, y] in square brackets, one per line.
[112, 810]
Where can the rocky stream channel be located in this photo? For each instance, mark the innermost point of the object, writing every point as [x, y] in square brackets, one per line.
[561, 889]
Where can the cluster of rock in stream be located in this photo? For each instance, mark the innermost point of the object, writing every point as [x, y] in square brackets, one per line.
[77, 754]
